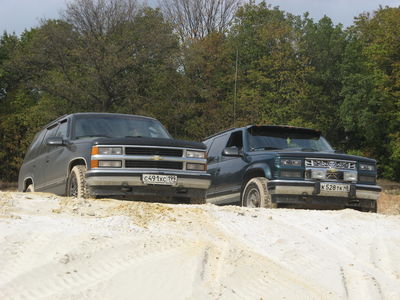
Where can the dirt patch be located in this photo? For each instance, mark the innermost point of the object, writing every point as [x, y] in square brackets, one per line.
[141, 213]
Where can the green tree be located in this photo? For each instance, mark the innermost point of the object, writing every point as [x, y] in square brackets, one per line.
[371, 87]
[323, 45]
[272, 83]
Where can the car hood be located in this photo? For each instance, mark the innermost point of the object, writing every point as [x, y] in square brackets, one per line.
[316, 154]
[149, 142]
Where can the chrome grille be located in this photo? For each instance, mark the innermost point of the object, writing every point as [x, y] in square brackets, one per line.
[173, 165]
[330, 164]
[153, 151]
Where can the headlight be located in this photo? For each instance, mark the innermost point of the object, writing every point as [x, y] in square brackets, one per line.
[350, 176]
[106, 150]
[291, 162]
[365, 167]
[318, 174]
[195, 154]
[196, 167]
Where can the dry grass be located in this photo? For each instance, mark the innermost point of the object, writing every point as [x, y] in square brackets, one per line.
[389, 204]
[8, 186]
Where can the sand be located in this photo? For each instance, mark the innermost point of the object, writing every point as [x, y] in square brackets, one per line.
[62, 248]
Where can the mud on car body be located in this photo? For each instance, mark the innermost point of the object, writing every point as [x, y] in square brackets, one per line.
[271, 166]
[101, 154]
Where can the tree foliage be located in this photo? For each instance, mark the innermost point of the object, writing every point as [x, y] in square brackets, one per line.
[203, 68]
[195, 19]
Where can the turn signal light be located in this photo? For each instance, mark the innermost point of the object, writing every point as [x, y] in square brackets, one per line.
[94, 163]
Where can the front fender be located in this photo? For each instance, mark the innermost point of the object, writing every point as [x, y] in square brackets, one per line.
[260, 169]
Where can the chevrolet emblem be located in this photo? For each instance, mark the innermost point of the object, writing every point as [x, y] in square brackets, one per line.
[332, 170]
[156, 157]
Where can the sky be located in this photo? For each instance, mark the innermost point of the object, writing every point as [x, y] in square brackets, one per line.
[17, 15]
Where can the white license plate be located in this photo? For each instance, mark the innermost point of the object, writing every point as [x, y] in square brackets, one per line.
[333, 187]
[159, 179]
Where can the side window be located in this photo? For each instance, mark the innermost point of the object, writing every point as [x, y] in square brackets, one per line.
[51, 131]
[62, 129]
[217, 146]
[236, 140]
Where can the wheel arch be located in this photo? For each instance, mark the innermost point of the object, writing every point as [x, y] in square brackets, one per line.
[255, 170]
[78, 161]
[27, 182]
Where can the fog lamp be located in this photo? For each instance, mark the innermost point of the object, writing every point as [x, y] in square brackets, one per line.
[196, 167]
[110, 164]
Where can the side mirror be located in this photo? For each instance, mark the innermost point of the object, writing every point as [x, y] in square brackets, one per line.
[232, 151]
[55, 141]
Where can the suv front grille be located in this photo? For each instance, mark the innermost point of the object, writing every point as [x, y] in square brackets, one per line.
[154, 164]
[329, 163]
[153, 151]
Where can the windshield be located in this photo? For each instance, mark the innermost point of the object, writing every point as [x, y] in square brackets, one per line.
[119, 127]
[264, 138]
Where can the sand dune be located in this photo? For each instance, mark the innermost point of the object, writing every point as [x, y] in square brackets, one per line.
[62, 248]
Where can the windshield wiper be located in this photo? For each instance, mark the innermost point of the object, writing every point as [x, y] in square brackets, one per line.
[134, 136]
[265, 148]
[301, 149]
[92, 135]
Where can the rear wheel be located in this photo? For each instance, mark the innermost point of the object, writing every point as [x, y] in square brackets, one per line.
[76, 184]
[255, 194]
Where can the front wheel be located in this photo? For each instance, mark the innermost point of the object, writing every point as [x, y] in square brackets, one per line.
[76, 184]
[30, 189]
[255, 194]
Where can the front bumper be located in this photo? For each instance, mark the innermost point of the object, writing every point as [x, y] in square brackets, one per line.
[124, 182]
[309, 193]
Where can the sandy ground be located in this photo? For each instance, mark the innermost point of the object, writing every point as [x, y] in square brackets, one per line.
[60, 248]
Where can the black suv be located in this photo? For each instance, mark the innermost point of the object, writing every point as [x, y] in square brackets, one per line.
[271, 166]
[101, 154]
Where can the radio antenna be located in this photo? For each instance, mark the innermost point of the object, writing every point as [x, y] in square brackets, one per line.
[235, 90]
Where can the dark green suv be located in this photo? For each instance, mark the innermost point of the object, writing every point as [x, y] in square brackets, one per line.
[282, 166]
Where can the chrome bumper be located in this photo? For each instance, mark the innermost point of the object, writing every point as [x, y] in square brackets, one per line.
[134, 178]
[309, 188]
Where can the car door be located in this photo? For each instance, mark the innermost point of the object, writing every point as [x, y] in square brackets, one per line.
[231, 170]
[57, 162]
[214, 157]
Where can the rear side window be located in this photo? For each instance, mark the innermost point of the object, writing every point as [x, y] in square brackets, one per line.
[33, 149]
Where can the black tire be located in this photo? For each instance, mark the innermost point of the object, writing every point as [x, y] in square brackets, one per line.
[30, 189]
[198, 201]
[375, 208]
[255, 194]
[76, 183]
